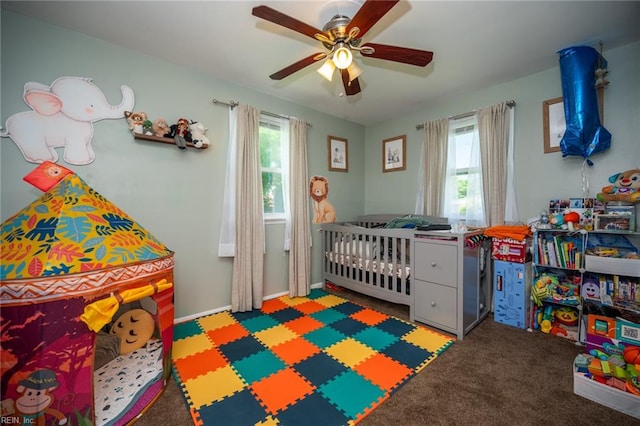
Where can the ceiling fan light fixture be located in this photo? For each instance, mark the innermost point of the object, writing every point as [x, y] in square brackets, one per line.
[354, 71]
[326, 70]
[342, 57]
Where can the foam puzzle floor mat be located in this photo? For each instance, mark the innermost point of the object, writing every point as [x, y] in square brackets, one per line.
[316, 360]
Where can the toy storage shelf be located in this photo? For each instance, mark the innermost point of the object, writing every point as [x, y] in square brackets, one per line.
[620, 277]
[560, 254]
[589, 257]
[159, 139]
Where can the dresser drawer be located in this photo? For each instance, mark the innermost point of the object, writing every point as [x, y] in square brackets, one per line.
[435, 303]
[437, 263]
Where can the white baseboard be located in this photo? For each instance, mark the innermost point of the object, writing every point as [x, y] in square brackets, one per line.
[228, 307]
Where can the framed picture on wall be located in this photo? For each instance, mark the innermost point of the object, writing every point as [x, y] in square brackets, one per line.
[338, 154]
[394, 153]
[553, 123]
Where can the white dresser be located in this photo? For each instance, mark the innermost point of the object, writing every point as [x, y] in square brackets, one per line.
[451, 283]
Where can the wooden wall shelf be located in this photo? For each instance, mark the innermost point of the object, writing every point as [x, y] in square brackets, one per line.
[170, 141]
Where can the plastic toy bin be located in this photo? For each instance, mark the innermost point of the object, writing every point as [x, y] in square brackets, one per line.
[608, 396]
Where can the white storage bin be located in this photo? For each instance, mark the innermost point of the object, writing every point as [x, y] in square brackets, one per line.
[624, 402]
[612, 265]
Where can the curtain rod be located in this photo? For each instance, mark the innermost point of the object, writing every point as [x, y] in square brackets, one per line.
[233, 104]
[510, 104]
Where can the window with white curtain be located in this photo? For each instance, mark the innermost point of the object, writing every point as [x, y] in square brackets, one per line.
[463, 199]
[274, 149]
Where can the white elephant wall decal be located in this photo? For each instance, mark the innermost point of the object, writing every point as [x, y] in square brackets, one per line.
[62, 116]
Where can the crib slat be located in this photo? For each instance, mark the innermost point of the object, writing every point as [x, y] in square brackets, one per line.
[372, 261]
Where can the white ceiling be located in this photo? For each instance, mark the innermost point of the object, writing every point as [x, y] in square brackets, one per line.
[476, 44]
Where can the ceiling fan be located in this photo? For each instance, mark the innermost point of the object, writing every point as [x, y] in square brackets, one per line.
[341, 36]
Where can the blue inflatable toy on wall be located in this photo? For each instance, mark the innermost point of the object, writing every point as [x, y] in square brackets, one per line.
[584, 135]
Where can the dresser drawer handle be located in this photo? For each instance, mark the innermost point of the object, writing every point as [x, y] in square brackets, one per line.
[433, 264]
[433, 303]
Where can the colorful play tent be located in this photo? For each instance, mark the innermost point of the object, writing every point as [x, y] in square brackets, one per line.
[77, 276]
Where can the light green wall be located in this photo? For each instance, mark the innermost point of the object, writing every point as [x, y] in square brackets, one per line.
[174, 194]
[539, 177]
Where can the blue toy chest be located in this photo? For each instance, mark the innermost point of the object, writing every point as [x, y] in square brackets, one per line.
[511, 291]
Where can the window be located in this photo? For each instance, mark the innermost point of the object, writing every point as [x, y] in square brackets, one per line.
[274, 165]
[463, 199]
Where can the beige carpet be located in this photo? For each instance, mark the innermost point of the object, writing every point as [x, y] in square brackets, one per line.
[497, 375]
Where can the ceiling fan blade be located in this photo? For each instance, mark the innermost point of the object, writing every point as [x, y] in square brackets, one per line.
[272, 15]
[405, 55]
[297, 66]
[352, 88]
[370, 13]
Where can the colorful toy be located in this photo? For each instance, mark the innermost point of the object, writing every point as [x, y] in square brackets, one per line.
[633, 385]
[557, 220]
[590, 289]
[625, 186]
[631, 355]
[48, 349]
[542, 287]
[564, 290]
[602, 356]
[558, 331]
[566, 315]
[572, 219]
[582, 362]
[547, 318]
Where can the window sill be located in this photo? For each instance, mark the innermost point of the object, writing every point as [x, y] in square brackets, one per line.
[274, 220]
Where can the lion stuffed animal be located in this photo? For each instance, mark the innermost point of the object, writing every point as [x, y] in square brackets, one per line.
[624, 186]
[323, 210]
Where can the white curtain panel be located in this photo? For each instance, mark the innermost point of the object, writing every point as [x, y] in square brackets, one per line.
[248, 262]
[421, 184]
[434, 157]
[300, 227]
[285, 162]
[493, 128]
[511, 214]
[227, 240]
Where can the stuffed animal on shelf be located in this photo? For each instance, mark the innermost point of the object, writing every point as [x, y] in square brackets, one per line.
[198, 135]
[135, 120]
[147, 127]
[160, 127]
[625, 186]
[180, 133]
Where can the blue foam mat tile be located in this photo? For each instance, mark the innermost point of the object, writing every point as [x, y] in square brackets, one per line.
[319, 369]
[242, 408]
[314, 410]
[241, 348]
